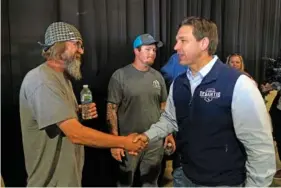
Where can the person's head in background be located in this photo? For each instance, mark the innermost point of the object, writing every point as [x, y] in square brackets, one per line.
[196, 41]
[63, 48]
[145, 47]
[235, 61]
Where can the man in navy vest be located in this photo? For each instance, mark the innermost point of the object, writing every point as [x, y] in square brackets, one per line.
[223, 127]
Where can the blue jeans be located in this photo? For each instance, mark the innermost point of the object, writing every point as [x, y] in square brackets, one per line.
[180, 180]
[178, 177]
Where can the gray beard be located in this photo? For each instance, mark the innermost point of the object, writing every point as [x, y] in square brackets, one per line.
[73, 69]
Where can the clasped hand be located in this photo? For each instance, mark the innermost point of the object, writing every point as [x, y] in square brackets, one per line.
[134, 143]
[91, 110]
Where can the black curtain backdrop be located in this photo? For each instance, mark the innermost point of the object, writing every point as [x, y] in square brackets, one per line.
[252, 28]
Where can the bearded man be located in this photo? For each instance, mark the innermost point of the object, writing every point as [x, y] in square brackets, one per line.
[53, 138]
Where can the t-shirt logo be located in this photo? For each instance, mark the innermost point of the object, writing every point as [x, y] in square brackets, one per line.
[156, 84]
[210, 94]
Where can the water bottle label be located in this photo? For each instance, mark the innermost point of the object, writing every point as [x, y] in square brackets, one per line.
[86, 99]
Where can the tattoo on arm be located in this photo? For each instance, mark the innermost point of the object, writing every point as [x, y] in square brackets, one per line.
[111, 117]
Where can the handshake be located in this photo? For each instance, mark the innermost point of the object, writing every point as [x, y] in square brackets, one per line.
[133, 143]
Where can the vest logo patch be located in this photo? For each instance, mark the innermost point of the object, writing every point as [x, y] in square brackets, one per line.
[156, 84]
[210, 94]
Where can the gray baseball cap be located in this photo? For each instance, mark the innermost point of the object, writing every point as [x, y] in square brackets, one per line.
[58, 32]
[146, 39]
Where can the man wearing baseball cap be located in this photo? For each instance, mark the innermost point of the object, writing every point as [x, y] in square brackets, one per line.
[136, 97]
[53, 138]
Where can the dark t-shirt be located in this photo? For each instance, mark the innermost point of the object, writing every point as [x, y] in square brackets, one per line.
[138, 95]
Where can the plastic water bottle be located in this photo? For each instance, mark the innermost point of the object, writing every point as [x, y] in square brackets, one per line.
[86, 99]
[169, 149]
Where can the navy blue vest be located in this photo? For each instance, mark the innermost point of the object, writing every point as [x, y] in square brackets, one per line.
[211, 154]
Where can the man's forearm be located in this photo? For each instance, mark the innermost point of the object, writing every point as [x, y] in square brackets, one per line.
[112, 117]
[162, 128]
[101, 139]
[167, 123]
[79, 134]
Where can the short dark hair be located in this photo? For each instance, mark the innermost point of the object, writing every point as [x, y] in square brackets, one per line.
[203, 28]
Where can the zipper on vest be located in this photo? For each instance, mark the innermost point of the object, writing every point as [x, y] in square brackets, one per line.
[190, 109]
[190, 102]
[191, 98]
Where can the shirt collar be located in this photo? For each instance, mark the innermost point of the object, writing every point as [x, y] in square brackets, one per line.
[203, 71]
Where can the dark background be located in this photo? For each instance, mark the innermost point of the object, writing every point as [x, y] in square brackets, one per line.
[249, 27]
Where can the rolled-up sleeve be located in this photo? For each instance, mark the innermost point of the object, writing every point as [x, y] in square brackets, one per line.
[253, 128]
[167, 122]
